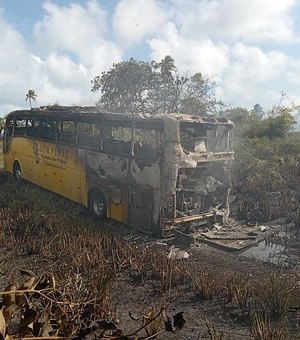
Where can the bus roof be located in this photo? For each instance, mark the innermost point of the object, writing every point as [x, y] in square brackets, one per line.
[94, 113]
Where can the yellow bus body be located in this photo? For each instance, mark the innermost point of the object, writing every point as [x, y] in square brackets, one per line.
[58, 168]
[154, 173]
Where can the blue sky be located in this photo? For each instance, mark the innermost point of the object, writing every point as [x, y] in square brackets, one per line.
[57, 46]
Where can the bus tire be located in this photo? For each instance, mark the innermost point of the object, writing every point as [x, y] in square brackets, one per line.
[97, 204]
[17, 171]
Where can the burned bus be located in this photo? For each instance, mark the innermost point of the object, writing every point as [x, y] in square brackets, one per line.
[154, 173]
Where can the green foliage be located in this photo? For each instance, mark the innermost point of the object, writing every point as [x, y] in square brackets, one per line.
[238, 115]
[31, 95]
[271, 127]
[199, 96]
[124, 86]
[154, 87]
[266, 156]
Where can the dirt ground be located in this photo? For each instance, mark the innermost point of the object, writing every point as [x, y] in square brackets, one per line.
[135, 297]
[198, 313]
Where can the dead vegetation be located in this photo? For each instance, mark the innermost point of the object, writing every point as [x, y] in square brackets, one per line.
[66, 267]
[40, 308]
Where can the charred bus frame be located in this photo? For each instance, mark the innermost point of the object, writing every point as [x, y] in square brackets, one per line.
[154, 173]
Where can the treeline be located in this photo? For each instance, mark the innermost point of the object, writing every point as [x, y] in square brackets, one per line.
[267, 163]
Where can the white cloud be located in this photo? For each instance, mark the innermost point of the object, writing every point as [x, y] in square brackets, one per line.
[297, 119]
[250, 75]
[71, 28]
[259, 66]
[16, 66]
[69, 50]
[134, 20]
[77, 30]
[255, 20]
[206, 38]
[63, 72]
[195, 55]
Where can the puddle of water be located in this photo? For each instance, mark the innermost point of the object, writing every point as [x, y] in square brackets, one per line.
[267, 252]
[270, 251]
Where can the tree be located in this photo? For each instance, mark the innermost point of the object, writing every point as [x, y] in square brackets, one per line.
[271, 124]
[124, 87]
[31, 95]
[266, 154]
[199, 96]
[167, 87]
[153, 87]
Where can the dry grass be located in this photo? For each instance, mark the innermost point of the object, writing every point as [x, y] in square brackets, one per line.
[276, 294]
[86, 259]
[263, 328]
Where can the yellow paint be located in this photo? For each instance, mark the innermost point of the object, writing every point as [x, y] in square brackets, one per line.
[55, 167]
[118, 211]
[58, 168]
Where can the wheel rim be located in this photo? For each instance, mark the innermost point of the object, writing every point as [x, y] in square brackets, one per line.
[99, 207]
[18, 174]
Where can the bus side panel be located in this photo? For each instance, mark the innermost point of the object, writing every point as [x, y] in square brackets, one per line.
[55, 167]
[119, 210]
[20, 151]
[8, 161]
[61, 170]
[108, 173]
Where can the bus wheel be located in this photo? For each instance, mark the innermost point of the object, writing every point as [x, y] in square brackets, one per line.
[97, 204]
[17, 172]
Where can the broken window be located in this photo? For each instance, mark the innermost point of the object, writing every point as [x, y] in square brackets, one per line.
[66, 132]
[193, 137]
[147, 143]
[219, 138]
[33, 128]
[117, 139]
[48, 130]
[20, 126]
[206, 137]
[88, 135]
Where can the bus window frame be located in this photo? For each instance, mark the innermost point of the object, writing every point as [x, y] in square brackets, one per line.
[16, 127]
[60, 130]
[125, 147]
[146, 146]
[96, 138]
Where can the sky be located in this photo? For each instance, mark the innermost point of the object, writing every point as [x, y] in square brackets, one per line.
[251, 49]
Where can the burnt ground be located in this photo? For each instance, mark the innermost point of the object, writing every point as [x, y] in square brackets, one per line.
[135, 296]
[196, 311]
[225, 318]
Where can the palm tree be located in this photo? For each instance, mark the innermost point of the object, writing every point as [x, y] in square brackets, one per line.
[167, 66]
[31, 95]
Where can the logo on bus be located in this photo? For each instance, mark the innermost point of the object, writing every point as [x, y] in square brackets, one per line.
[36, 155]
